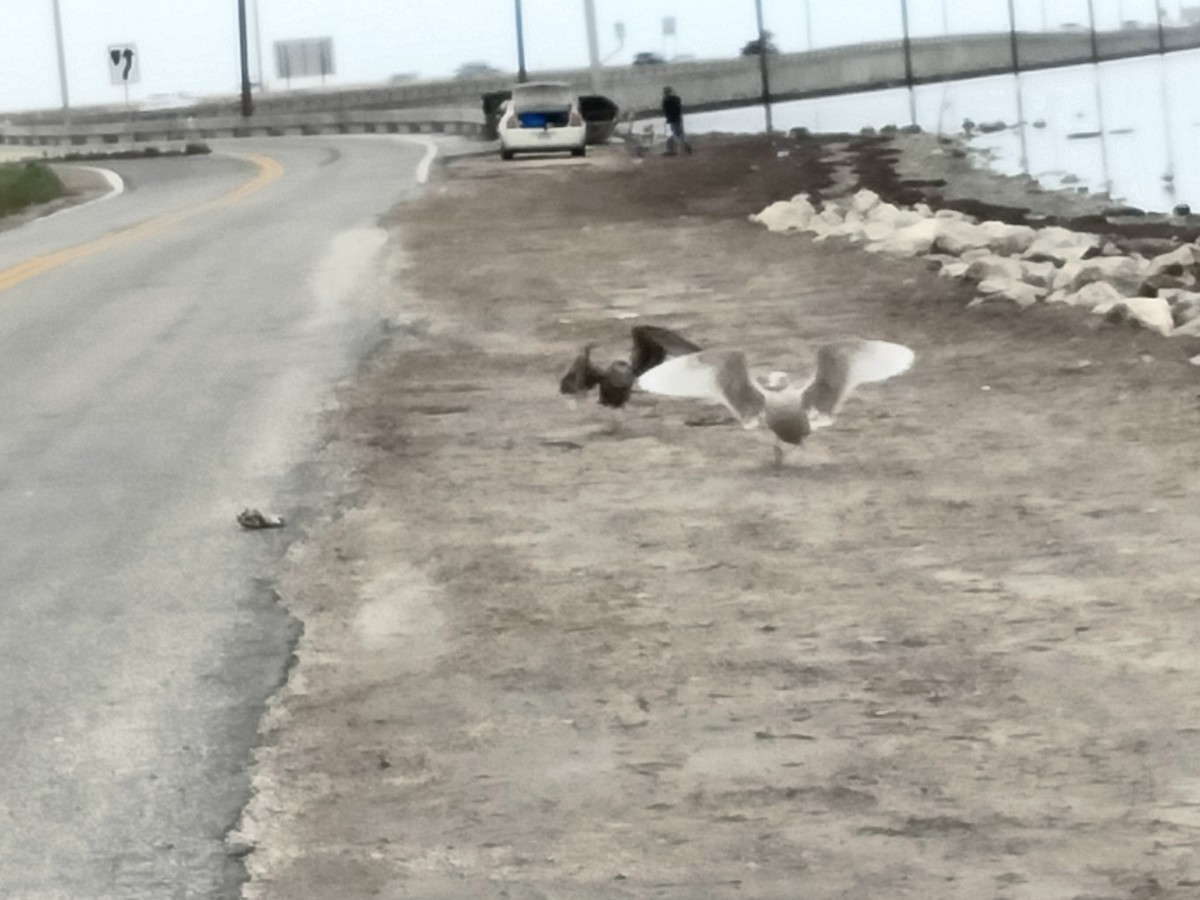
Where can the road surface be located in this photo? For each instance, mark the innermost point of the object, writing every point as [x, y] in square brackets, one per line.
[163, 358]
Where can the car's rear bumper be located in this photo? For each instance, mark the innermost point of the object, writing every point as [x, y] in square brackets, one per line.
[532, 140]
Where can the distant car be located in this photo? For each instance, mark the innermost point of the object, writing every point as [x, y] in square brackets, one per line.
[476, 70]
[542, 117]
[648, 59]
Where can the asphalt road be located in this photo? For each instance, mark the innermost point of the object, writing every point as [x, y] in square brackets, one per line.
[163, 359]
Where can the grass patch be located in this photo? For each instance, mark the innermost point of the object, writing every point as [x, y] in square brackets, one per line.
[22, 185]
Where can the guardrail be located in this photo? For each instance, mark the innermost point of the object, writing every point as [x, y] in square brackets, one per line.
[185, 128]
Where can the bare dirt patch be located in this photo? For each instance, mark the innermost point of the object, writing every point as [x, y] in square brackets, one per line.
[947, 653]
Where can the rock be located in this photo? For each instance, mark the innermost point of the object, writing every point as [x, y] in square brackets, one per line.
[1008, 240]
[994, 267]
[864, 201]
[1184, 256]
[1097, 294]
[1185, 305]
[956, 236]
[1056, 261]
[1125, 273]
[1011, 289]
[1148, 247]
[784, 216]
[1114, 212]
[1062, 243]
[894, 215]
[912, 240]
[954, 269]
[1188, 329]
[1168, 280]
[1039, 274]
[1148, 312]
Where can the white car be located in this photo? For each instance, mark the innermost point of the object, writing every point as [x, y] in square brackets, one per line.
[541, 117]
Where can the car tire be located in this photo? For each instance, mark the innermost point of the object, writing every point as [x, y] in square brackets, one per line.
[506, 155]
[578, 151]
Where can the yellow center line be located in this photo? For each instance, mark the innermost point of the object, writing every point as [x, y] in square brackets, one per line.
[268, 170]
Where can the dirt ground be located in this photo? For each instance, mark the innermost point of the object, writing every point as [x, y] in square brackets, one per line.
[947, 652]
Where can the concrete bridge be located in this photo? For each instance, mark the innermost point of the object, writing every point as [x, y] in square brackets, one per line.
[456, 105]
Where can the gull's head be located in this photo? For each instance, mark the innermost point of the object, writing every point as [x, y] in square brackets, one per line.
[777, 381]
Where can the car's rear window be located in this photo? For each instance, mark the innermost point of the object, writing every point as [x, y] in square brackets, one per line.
[541, 97]
[542, 119]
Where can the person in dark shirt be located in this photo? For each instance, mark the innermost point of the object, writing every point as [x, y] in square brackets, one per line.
[672, 107]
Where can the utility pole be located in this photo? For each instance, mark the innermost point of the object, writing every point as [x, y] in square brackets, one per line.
[262, 79]
[62, 60]
[589, 15]
[522, 77]
[1012, 36]
[762, 65]
[247, 103]
[908, 69]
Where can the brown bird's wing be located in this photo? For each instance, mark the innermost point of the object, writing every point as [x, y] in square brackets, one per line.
[653, 345]
[844, 365]
[582, 376]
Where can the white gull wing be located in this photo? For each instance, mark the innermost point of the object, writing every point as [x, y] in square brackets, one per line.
[844, 365]
[712, 376]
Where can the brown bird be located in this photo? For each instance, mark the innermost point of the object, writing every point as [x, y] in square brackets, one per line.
[652, 345]
[791, 413]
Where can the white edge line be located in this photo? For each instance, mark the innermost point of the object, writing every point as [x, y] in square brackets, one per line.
[431, 150]
[116, 187]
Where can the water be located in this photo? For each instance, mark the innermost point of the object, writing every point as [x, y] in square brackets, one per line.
[1127, 127]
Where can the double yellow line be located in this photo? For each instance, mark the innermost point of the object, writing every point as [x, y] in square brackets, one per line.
[268, 170]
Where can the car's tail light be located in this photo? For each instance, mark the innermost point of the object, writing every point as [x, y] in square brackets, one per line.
[576, 119]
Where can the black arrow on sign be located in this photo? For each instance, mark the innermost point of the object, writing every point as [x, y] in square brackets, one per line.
[128, 54]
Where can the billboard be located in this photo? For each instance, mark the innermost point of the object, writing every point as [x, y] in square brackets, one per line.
[304, 58]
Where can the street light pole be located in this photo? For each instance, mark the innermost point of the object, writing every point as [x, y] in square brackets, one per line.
[62, 60]
[908, 69]
[522, 77]
[247, 103]
[762, 65]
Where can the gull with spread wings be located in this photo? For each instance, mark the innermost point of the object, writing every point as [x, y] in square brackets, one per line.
[792, 413]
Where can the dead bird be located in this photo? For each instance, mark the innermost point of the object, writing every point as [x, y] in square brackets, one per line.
[791, 413]
[652, 345]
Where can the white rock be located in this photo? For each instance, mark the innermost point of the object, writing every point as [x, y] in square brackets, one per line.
[956, 236]
[1008, 240]
[1098, 295]
[954, 269]
[1150, 312]
[783, 216]
[894, 215]
[912, 240]
[1062, 243]
[1012, 289]
[1188, 329]
[1124, 273]
[992, 266]
[1187, 255]
[1185, 305]
[1041, 274]
[952, 214]
[864, 201]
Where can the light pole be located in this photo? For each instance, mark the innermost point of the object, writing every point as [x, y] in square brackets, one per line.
[247, 103]
[762, 65]
[62, 60]
[521, 76]
[808, 23]
[908, 69]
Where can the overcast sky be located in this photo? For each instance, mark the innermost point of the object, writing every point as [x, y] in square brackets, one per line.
[191, 46]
